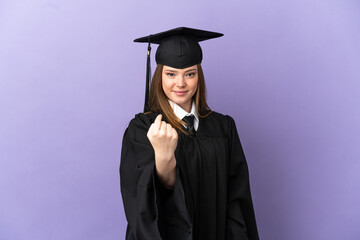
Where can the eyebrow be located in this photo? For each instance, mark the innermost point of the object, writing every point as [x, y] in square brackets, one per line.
[169, 70]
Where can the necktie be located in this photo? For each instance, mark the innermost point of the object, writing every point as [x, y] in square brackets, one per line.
[190, 123]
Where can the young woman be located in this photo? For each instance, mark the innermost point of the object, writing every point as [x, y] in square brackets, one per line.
[183, 171]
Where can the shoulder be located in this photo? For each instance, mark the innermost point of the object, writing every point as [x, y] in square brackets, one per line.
[222, 119]
[217, 116]
[139, 125]
[219, 123]
[143, 120]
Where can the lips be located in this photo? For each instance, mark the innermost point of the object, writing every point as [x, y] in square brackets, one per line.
[180, 93]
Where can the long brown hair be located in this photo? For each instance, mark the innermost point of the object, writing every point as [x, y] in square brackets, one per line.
[158, 101]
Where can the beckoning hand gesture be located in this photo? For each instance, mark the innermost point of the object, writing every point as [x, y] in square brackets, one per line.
[163, 138]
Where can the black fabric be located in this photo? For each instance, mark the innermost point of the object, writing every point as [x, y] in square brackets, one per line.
[198, 34]
[179, 52]
[211, 198]
[179, 47]
[190, 123]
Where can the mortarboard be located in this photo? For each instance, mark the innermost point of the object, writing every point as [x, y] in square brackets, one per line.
[178, 48]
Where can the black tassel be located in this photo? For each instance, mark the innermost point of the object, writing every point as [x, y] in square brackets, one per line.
[148, 77]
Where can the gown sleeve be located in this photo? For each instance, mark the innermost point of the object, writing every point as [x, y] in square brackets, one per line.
[240, 217]
[145, 199]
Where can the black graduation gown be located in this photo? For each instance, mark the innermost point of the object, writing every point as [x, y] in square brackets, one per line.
[211, 198]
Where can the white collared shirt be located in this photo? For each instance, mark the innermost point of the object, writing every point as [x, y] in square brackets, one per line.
[181, 113]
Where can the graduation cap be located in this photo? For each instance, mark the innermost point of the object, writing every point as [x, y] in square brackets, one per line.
[178, 48]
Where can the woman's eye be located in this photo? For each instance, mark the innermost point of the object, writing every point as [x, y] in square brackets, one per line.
[171, 74]
[191, 74]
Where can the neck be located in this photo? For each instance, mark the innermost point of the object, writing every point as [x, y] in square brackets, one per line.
[187, 107]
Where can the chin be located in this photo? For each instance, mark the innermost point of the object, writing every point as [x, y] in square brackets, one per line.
[182, 101]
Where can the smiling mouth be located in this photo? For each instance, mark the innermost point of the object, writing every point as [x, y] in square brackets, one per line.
[180, 93]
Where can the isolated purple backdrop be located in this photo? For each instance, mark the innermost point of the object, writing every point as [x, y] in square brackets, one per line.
[71, 79]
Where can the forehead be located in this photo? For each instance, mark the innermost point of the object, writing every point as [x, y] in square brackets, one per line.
[167, 68]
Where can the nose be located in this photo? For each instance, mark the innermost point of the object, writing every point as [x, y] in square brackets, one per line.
[180, 81]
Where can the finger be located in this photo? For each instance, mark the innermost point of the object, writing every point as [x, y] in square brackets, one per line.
[151, 128]
[149, 133]
[175, 134]
[157, 122]
[162, 127]
[158, 119]
[169, 129]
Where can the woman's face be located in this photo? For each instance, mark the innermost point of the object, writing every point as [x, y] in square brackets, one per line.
[180, 85]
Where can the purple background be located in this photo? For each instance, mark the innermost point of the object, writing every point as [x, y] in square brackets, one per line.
[71, 79]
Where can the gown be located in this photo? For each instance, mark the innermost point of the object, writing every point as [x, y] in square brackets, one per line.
[211, 198]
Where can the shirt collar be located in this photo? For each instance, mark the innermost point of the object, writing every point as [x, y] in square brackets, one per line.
[181, 113]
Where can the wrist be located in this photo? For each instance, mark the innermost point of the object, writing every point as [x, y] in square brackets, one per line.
[164, 158]
[166, 173]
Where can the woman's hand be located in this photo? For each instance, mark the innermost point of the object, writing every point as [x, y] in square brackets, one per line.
[163, 138]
